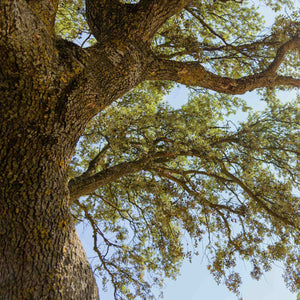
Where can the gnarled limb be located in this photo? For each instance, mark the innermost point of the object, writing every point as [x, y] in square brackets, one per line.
[194, 74]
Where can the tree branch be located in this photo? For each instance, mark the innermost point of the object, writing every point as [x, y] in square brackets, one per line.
[93, 164]
[107, 18]
[153, 14]
[31, 18]
[84, 185]
[260, 202]
[194, 74]
[166, 173]
[137, 22]
[205, 25]
[294, 43]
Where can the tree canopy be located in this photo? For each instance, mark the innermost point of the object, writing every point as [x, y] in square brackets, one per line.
[148, 177]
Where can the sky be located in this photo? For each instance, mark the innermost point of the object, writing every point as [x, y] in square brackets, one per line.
[194, 281]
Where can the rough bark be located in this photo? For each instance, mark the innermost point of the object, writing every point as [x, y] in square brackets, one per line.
[50, 89]
[41, 255]
[138, 22]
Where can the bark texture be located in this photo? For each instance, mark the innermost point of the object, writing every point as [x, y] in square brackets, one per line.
[49, 90]
[41, 255]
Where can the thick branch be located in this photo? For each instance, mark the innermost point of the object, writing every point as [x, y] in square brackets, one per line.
[153, 14]
[281, 53]
[194, 74]
[137, 22]
[86, 77]
[84, 185]
[104, 17]
[87, 183]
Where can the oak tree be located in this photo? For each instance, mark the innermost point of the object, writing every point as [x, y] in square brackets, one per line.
[146, 177]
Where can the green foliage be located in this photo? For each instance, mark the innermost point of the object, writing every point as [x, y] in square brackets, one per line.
[200, 177]
[70, 20]
[205, 177]
[227, 37]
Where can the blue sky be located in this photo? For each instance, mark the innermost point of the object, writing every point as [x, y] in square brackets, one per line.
[196, 283]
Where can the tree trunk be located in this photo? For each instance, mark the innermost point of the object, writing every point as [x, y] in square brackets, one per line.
[41, 255]
[49, 90]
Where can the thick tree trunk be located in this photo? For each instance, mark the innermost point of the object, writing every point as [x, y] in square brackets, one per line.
[49, 90]
[41, 255]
